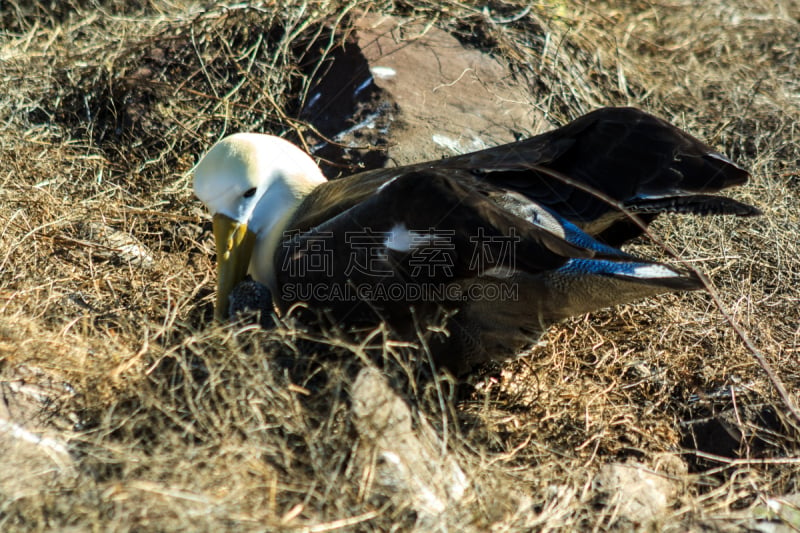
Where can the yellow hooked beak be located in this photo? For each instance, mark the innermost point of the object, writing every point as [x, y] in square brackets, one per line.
[234, 248]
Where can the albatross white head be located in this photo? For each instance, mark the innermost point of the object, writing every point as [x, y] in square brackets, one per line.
[252, 184]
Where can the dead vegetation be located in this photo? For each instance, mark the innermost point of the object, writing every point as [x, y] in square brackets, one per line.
[129, 410]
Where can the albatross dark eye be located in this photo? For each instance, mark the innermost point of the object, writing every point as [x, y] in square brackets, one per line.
[249, 192]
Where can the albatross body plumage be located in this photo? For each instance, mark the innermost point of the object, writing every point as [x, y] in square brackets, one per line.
[507, 241]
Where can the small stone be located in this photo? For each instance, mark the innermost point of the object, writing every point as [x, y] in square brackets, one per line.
[637, 493]
[408, 459]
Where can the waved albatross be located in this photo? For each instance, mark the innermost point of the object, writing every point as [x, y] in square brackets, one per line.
[497, 238]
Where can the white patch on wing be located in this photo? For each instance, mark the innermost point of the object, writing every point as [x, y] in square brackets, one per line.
[720, 157]
[379, 189]
[401, 239]
[536, 215]
[669, 194]
[654, 271]
[383, 72]
[499, 272]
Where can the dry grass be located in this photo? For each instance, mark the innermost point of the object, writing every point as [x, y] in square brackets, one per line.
[176, 424]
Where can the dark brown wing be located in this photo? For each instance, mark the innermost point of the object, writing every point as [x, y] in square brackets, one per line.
[396, 255]
[422, 229]
[642, 162]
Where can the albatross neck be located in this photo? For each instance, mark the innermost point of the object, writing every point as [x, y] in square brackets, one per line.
[270, 221]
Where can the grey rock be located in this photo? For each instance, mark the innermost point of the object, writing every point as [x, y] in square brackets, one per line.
[401, 455]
